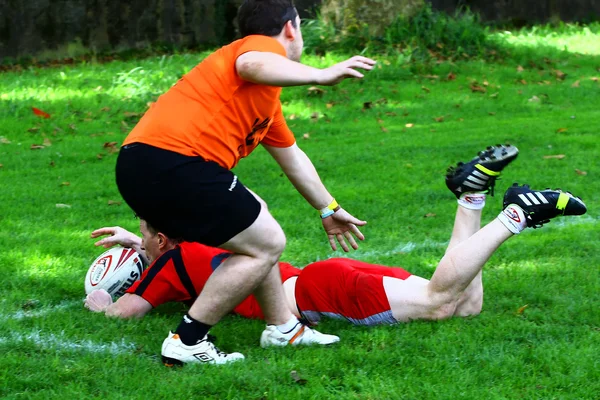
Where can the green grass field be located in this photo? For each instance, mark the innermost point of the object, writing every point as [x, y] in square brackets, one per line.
[381, 146]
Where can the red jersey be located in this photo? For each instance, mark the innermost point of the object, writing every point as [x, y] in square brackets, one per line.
[180, 275]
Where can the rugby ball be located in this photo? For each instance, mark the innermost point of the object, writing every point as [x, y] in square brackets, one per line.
[115, 271]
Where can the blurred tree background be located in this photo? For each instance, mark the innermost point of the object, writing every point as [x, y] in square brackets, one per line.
[46, 29]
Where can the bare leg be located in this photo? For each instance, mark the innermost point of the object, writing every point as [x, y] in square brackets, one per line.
[252, 266]
[463, 262]
[436, 299]
[466, 223]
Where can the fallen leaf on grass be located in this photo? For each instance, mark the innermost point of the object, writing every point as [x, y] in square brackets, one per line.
[4, 140]
[425, 89]
[133, 114]
[561, 130]
[60, 205]
[297, 379]
[494, 95]
[476, 88]
[111, 146]
[556, 156]
[451, 76]
[522, 82]
[40, 113]
[1, 165]
[65, 184]
[595, 79]
[522, 309]
[306, 136]
[33, 129]
[329, 105]
[439, 119]
[99, 156]
[315, 91]
[520, 69]
[314, 116]
[36, 147]
[431, 76]
[560, 75]
[114, 203]
[52, 163]
[47, 142]
[429, 215]
[105, 109]
[575, 84]
[391, 114]
[580, 172]
[292, 117]
[367, 105]
[534, 99]
[492, 113]
[409, 125]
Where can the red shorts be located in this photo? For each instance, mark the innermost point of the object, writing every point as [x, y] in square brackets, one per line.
[249, 308]
[348, 289]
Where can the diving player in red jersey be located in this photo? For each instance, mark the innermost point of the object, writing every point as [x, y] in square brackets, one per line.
[362, 293]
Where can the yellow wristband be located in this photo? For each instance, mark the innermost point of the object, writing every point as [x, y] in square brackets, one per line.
[330, 209]
[333, 205]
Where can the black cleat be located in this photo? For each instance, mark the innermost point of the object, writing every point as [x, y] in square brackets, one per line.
[479, 175]
[541, 206]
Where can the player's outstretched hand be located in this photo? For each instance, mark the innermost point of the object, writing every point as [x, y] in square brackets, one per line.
[98, 300]
[342, 226]
[116, 235]
[346, 69]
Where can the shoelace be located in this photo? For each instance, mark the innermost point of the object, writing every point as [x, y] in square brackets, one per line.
[212, 339]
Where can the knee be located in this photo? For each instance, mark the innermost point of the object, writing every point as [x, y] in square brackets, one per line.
[444, 310]
[470, 307]
[274, 245]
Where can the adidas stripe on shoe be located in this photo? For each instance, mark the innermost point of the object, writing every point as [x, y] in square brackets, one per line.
[479, 175]
[540, 206]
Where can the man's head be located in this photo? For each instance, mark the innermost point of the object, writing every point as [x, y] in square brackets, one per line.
[276, 18]
[153, 242]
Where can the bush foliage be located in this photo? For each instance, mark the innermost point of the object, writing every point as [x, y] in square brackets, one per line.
[421, 33]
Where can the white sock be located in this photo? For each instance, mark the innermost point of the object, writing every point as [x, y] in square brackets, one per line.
[472, 201]
[288, 326]
[513, 218]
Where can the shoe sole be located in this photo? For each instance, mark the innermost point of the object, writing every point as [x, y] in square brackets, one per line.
[172, 362]
[484, 164]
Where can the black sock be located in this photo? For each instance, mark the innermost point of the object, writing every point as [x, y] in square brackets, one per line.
[191, 331]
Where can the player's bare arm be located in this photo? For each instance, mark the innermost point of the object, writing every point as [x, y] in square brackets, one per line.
[119, 236]
[128, 306]
[339, 225]
[275, 70]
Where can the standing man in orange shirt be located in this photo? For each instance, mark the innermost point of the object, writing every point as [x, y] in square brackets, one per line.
[174, 172]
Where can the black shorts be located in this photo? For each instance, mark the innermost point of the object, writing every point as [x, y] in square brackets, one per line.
[184, 197]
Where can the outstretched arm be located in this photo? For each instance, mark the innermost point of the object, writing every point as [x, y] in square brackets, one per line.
[275, 70]
[128, 306]
[303, 175]
[119, 236]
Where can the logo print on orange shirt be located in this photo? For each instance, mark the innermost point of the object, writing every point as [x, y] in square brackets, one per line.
[255, 136]
[257, 128]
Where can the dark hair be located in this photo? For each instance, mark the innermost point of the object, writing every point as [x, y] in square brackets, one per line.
[265, 17]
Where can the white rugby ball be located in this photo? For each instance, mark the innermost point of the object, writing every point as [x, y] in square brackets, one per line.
[115, 271]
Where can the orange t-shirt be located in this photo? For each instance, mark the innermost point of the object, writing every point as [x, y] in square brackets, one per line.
[213, 113]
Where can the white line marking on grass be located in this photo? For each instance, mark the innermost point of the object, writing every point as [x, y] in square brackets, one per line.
[42, 311]
[370, 254]
[57, 342]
